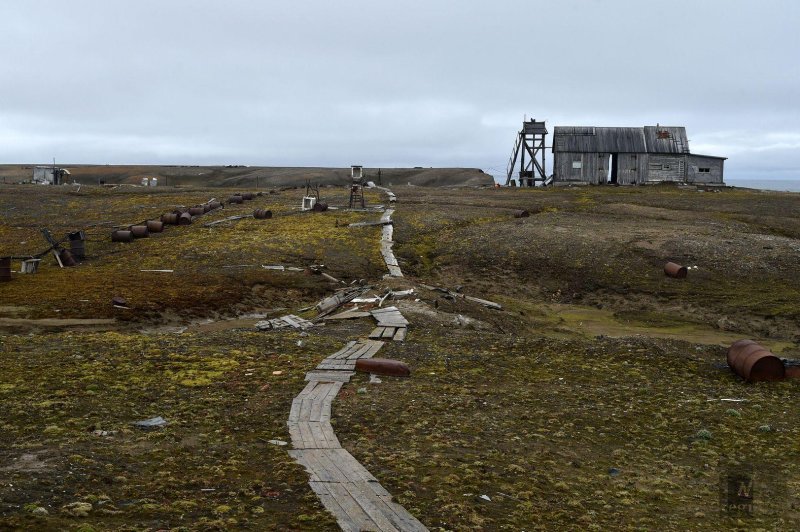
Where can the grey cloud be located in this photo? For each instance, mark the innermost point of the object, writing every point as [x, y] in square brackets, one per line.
[435, 83]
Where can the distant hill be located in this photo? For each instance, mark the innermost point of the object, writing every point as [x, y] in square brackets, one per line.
[264, 176]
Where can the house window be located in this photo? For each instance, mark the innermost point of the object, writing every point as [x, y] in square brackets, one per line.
[666, 167]
[704, 170]
[577, 165]
[656, 166]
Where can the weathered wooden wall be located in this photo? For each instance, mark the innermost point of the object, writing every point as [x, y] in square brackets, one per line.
[695, 162]
[666, 168]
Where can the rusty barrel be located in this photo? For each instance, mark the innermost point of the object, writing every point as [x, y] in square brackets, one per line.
[262, 214]
[236, 198]
[66, 258]
[675, 271]
[155, 226]
[320, 207]
[754, 362]
[185, 218]
[214, 205]
[171, 218]
[383, 366]
[197, 211]
[77, 244]
[521, 214]
[259, 194]
[248, 196]
[139, 231]
[122, 236]
[5, 269]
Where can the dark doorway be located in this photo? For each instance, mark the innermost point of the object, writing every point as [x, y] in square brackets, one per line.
[612, 168]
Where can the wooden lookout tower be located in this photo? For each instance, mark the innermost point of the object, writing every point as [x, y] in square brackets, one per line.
[357, 186]
[529, 149]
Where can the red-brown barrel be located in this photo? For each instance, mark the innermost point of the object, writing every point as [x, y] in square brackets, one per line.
[185, 218]
[5, 269]
[320, 207]
[171, 218]
[66, 258]
[262, 214]
[675, 270]
[383, 366]
[754, 362]
[236, 198]
[155, 226]
[248, 196]
[122, 236]
[521, 214]
[197, 211]
[212, 205]
[139, 231]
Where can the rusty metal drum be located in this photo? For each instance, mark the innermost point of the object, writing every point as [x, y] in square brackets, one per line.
[139, 231]
[676, 271]
[122, 236]
[262, 214]
[185, 218]
[754, 362]
[5, 269]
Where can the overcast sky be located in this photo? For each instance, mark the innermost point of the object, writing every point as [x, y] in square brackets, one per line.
[402, 83]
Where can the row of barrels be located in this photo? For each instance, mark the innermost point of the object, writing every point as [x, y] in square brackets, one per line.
[176, 217]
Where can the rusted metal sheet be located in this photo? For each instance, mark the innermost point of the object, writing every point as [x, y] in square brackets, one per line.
[139, 231]
[754, 362]
[521, 214]
[155, 226]
[236, 198]
[5, 269]
[170, 218]
[383, 366]
[197, 211]
[77, 244]
[675, 271]
[66, 258]
[185, 219]
[122, 236]
[262, 214]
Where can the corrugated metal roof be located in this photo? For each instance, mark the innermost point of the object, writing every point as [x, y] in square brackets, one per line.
[599, 139]
[663, 139]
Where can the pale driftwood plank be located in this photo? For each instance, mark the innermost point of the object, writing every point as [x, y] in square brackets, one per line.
[354, 514]
[343, 519]
[329, 376]
[388, 332]
[376, 333]
[372, 506]
[398, 515]
[400, 335]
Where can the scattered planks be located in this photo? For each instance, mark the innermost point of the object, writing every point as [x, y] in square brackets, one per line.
[350, 314]
[391, 324]
[290, 320]
[343, 485]
[484, 302]
[345, 295]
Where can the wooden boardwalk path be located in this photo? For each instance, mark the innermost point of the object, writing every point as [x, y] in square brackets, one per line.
[344, 486]
[387, 243]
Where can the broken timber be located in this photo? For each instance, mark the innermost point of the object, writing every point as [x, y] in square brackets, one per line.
[391, 324]
[484, 302]
[289, 320]
[344, 486]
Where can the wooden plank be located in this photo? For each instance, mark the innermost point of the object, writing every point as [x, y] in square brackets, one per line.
[372, 506]
[400, 335]
[376, 333]
[388, 332]
[343, 519]
[348, 315]
[329, 376]
[355, 514]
